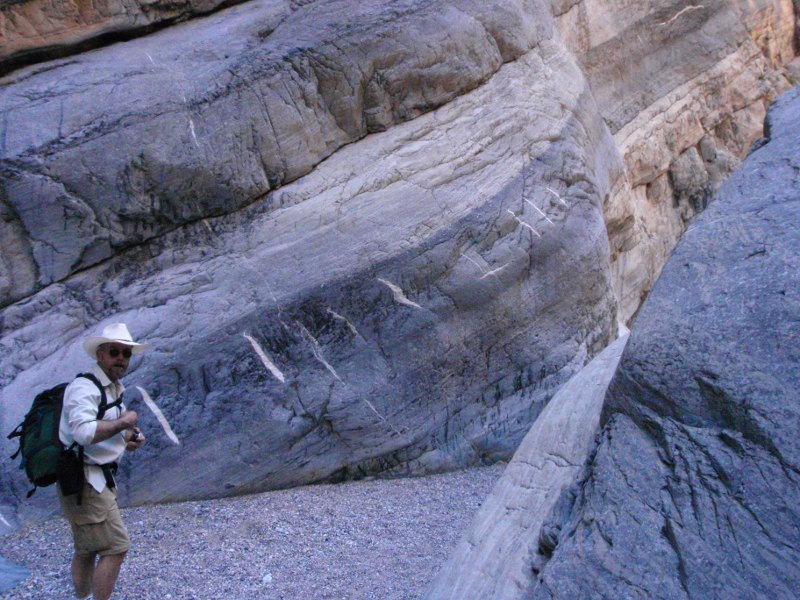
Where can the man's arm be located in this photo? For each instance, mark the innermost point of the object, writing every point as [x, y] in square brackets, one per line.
[81, 400]
[106, 429]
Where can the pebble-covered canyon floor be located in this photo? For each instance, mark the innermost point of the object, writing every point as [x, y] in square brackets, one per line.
[378, 539]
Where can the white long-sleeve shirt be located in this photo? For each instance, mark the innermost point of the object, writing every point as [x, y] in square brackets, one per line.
[79, 423]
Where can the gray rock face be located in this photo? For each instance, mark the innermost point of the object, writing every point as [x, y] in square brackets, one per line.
[126, 144]
[495, 559]
[360, 237]
[11, 575]
[410, 307]
[694, 489]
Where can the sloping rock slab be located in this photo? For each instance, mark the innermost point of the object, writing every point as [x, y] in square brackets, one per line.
[495, 558]
[111, 148]
[695, 486]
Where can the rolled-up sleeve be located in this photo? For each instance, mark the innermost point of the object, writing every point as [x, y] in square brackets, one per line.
[81, 400]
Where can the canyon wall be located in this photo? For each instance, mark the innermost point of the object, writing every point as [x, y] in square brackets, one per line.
[684, 89]
[359, 237]
[693, 488]
[671, 471]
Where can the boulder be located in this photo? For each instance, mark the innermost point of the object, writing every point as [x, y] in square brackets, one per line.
[694, 487]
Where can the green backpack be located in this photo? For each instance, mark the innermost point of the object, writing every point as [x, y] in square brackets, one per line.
[39, 443]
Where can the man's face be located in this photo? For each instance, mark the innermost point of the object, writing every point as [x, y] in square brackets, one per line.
[113, 366]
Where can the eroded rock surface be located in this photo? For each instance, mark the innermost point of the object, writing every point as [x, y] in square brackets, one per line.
[112, 148]
[416, 299]
[361, 237]
[695, 485]
[703, 76]
[34, 30]
[495, 559]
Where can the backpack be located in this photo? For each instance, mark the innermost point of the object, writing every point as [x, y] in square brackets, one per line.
[39, 443]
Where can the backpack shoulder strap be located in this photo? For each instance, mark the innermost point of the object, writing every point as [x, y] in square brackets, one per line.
[16, 433]
[104, 405]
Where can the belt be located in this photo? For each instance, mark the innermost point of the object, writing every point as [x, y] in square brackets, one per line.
[109, 470]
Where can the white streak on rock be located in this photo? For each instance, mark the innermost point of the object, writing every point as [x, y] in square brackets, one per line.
[352, 327]
[6, 523]
[265, 359]
[315, 348]
[150, 57]
[159, 416]
[474, 262]
[524, 224]
[191, 128]
[318, 355]
[685, 10]
[560, 199]
[381, 417]
[484, 272]
[540, 211]
[399, 296]
[494, 271]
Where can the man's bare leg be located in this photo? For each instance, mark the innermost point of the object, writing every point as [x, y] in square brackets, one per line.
[105, 575]
[82, 573]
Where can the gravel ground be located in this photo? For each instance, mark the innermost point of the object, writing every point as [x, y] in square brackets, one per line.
[381, 539]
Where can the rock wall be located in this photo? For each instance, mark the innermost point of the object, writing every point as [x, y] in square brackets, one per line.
[694, 486]
[796, 26]
[123, 145]
[360, 237]
[498, 557]
[681, 116]
[36, 30]
[679, 479]
[419, 295]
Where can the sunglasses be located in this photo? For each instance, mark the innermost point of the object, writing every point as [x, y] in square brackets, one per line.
[115, 352]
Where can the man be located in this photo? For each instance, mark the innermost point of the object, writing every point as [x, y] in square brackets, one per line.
[97, 527]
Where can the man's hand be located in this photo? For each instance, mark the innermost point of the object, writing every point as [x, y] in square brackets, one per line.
[135, 439]
[128, 419]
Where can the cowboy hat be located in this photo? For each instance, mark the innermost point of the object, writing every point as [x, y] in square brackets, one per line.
[116, 333]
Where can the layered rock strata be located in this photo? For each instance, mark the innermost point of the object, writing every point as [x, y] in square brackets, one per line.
[361, 237]
[682, 115]
[694, 487]
[113, 148]
[409, 307]
[35, 30]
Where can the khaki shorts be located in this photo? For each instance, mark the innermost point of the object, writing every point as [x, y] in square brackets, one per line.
[97, 526]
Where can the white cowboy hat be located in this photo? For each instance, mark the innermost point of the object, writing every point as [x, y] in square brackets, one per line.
[115, 333]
